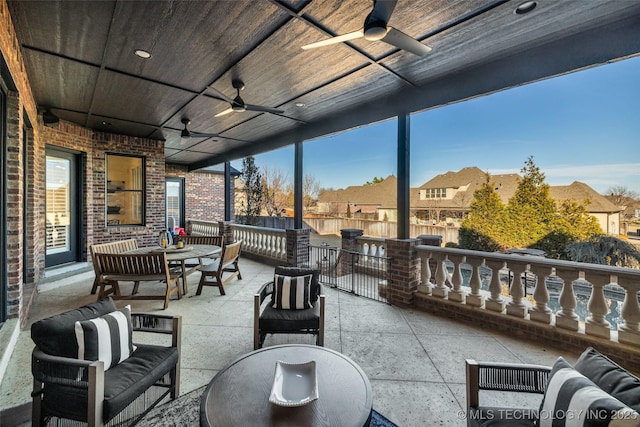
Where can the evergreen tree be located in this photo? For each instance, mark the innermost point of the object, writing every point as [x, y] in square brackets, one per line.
[531, 211]
[253, 191]
[483, 228]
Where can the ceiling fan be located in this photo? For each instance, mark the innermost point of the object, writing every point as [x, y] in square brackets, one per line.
[186, 133]
[238, 104]
[375, 28]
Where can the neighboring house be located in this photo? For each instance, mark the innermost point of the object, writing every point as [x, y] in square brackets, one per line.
[599, 206]
[447, 198]
[362, 201]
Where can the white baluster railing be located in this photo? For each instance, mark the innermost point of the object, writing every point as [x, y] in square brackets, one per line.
[574, 277]
[266, 242]
[198, 227]
[373, 252]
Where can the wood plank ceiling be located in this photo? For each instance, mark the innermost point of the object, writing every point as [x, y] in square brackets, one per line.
[81, 63]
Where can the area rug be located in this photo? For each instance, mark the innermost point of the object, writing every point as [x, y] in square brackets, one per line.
[185, 412]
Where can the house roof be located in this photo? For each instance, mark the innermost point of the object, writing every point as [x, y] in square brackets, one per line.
[381, 194]
[580, 191]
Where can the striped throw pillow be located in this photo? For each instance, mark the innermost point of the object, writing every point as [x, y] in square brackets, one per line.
[571, 399]
[291, 292]
[107, 338]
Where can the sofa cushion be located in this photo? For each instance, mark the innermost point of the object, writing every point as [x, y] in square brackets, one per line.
[122, 384]
[56, 335]
[291, 292]
[610, 377]
[303, 271]
[572, 399]
[106, 338]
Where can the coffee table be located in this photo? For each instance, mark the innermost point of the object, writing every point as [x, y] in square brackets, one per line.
[239, 394]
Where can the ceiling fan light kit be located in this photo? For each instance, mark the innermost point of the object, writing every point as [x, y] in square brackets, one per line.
[237, 104]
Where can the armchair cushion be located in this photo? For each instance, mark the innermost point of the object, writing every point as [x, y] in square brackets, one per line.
[574, 398]
[106, 338]
[56, 335]
[273, 319]
[122, 385]
[303, 271]
[291, 292]
[610, 377]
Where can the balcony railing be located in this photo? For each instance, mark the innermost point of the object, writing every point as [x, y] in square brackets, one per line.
[266, 242]
[474, 278]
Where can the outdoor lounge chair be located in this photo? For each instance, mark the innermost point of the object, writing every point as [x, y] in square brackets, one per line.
[270, 316]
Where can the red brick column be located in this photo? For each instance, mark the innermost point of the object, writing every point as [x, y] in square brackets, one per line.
[224, 229]
[404, 274]
[349, 244]
[298, 247]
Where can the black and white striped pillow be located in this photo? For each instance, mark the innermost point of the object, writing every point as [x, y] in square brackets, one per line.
[571, 399]
[107, 338]
[291, 292]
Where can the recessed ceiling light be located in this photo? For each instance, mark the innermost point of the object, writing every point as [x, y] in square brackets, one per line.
[142, 54]
[105, 123]
[300, 104]
[525, 7]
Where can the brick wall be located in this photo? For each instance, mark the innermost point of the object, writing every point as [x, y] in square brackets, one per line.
[204, 193]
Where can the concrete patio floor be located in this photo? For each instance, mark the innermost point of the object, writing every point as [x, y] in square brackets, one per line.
[414, 360]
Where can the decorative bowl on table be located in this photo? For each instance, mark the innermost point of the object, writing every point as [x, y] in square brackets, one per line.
[294, 384]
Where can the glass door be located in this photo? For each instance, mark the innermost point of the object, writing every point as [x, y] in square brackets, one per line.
[61, 208]
[174, 189]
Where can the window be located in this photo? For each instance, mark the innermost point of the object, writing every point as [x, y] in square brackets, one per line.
[125, 192]
[435, 193]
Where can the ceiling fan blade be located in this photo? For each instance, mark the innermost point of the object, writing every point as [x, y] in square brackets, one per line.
[399, 39]
[262, 109]
[334, 40]
[382, 9]
[204, 135]
[220, 95]
[225, 112]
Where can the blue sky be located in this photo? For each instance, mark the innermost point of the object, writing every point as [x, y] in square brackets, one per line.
[584, 126]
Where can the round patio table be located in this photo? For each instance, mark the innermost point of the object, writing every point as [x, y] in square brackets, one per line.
[239, 394]
[182, 255]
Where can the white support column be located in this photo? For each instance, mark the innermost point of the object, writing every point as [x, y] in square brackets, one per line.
[629, 331]
[475, 298]
[441, 290]
[596, 324]
[516, 307]
[495, 301]
[566, 318]
[541, 312]
[457, 294]
[425, 275]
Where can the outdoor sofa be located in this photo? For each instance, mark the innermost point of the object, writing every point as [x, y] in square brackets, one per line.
[87, 369]
[595, 392]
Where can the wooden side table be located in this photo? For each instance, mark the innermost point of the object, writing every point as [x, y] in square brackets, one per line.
[239, 394]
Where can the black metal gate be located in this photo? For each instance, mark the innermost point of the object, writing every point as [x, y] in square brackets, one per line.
[363, 275]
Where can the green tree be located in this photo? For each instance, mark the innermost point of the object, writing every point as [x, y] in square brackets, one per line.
[531, 211]
[253, 191]
[607, 250]
[531, 219]
[375, 180]
[483, 228]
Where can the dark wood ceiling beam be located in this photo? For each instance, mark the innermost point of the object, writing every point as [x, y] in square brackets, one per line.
[102, 66]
